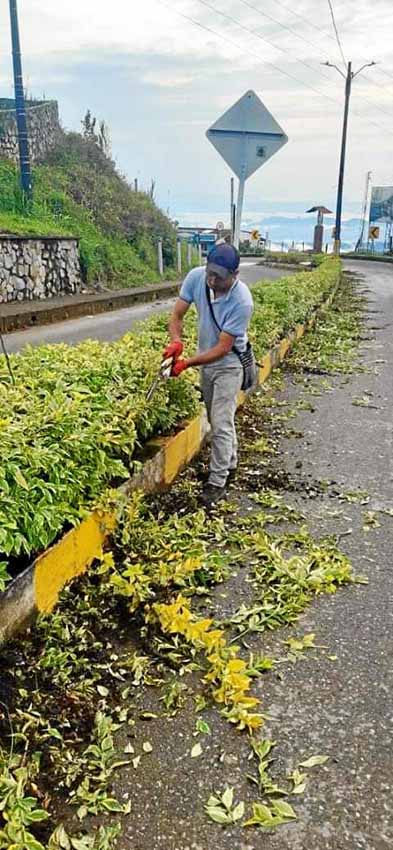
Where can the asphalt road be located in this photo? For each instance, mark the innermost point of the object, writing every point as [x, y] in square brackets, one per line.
[111, 326]
[342, 705]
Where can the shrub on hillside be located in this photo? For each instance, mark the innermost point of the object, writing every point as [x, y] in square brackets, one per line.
[94, 183]
[78, 192]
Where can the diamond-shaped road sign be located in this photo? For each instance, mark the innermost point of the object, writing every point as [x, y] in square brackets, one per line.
[246, 136]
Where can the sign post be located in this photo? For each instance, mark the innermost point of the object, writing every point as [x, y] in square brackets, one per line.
[239, 210]
[232, 210]
[246, 136]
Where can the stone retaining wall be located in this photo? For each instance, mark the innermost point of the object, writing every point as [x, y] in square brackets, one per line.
[32, 268]
[43, 125]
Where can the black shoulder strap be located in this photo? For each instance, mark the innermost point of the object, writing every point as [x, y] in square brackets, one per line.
[234, 349]
[211, 308]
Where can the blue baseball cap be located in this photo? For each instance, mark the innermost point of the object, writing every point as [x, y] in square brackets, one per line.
[223, 260]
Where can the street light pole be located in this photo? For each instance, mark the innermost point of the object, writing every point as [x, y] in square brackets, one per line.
[340, 189]
[20, 106]
[348, 77]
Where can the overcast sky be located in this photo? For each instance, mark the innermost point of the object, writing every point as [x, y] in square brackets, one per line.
[160, 81]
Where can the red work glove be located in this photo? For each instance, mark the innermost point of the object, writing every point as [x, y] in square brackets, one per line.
[179, 367]
[174, 349]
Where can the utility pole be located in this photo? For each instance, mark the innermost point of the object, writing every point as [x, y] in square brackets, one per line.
[340, 188]
[348, 77]
[20, 106]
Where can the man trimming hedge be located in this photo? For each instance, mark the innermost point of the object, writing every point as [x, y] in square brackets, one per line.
[223, 325]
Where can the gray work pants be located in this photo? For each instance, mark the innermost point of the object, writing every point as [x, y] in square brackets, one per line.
[220, 388]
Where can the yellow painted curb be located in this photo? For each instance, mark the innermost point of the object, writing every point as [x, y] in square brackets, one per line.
[69, 558]
[299, 331]
[265, 369]
[181, 448]
[285, 345]
[37, 590]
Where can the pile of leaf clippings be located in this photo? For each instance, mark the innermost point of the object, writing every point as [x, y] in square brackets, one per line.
[76, 683]
[333, 349]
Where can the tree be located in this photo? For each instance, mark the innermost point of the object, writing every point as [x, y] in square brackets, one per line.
[89, 126]
[104, 141]
[100, 138]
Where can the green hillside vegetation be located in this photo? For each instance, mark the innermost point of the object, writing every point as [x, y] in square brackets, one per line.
[79, 192]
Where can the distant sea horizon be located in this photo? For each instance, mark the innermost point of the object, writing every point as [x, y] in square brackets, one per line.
[282, 229]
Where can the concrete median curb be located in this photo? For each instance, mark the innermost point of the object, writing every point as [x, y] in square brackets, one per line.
[36, 313]
[37, 590]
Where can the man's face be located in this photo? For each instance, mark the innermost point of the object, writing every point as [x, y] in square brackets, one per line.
[219, 285]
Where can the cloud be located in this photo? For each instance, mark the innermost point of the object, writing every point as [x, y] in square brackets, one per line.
[160, 81]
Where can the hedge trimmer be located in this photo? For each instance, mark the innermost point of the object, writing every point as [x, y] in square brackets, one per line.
[163, 375]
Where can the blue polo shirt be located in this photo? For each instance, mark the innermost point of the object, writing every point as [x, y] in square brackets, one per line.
[233, 313]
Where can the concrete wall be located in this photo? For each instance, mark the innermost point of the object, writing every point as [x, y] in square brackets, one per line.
[43, 124]
[33, 268]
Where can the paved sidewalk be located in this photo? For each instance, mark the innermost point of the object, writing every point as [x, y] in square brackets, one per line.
[34, 313]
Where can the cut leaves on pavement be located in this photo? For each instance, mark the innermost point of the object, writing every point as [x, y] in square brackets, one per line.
[222, 809]
[314, 761]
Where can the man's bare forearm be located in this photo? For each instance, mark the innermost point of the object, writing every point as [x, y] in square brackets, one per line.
[211, 356]
[175, 328]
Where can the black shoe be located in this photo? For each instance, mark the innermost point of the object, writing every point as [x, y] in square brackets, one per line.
[231, 476]
[211, 495]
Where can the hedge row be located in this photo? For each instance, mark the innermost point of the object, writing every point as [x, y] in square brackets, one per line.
[71, 424]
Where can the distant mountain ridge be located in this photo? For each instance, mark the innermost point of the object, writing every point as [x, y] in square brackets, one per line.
[300, 229]
[281, 227]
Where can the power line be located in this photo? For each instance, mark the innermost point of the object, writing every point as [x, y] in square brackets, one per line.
[386, 73]
[266, 62]
[278, 47]
[381, 70]
[330, 36]
[246, 52]
[303, 18]
[374, 105]
[280, 24]
[336, 32]
[255, 34]
[378, 85]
